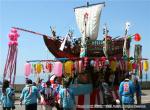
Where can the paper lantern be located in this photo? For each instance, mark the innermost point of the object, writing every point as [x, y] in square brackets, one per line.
[146, 65]
[49, 67]
[57, 69]
[113, 65]
[27, 69]
[38, 68]
[80, 66]
[68, 68]
[137, 37]
[130, 66]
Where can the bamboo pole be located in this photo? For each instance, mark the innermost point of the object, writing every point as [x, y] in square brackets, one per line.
[37, 33]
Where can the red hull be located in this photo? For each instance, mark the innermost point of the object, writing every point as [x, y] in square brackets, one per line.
[94, 48]
[53, 45]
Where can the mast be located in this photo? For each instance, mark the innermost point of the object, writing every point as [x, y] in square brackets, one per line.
[125, 53]
[105, 46]
[37, 33]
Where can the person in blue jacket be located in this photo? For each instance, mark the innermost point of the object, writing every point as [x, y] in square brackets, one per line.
[67, 98]
[126, 91]
[30, 95]
[7, 97]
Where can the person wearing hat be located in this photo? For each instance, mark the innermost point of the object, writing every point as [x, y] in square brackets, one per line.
[126, 90]
[30, 95]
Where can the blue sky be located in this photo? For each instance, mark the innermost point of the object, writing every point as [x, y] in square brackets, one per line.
[39, 15]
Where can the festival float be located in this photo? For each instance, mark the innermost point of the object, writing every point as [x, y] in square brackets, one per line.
[86, 60]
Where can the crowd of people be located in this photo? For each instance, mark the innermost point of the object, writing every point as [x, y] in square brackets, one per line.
[62, 97]
[43, 93]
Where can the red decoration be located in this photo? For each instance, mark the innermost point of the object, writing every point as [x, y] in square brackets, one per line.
[85, 61]
[49, 67]
[137, 37]
[134, 66]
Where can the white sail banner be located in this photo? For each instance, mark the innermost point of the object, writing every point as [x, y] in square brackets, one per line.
[92, 14]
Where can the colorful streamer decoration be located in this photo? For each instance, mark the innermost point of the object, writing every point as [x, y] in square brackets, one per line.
[10, 66]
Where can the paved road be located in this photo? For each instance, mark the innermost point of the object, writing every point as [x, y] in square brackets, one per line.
[145, 102]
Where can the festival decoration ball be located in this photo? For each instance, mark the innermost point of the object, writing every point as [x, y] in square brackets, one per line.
[137, 37]
[15, 43]
[15, 38]
[11, 36]
[125, 57]
[27, 69]
[131, 58]
[16, 35]
[57, 69]
[13, 30]
[129, 37]
[10, 43]
[146, 65]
